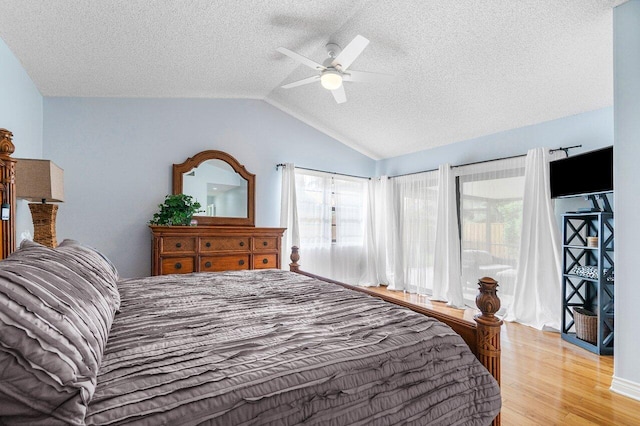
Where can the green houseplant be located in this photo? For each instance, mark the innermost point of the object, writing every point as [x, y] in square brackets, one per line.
[177, 209]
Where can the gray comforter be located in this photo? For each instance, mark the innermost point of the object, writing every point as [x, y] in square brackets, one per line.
[277, 348]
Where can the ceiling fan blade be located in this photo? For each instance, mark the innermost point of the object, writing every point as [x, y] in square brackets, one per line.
[350, 53]
[302, 82]
[366, 77]
[302, 59]
[339, 95]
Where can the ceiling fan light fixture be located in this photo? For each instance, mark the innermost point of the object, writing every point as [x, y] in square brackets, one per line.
[331, 80]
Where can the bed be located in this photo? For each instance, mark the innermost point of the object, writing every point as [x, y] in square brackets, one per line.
[271, 347]
[80, 346]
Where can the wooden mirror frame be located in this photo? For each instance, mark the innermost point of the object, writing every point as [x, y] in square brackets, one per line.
[193, 162]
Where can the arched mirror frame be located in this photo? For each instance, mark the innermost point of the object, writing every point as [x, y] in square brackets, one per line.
[193, 162]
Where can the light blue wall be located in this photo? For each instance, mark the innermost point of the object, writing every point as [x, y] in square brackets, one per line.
[21, 113]
[117, 156]
[626, 44]
[592, 130]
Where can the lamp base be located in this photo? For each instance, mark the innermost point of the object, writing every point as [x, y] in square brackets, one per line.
[44, 223]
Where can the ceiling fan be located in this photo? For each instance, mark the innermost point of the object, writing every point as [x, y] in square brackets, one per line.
[334, 70]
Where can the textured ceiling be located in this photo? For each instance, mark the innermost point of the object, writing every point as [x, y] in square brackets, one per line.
[462, 69]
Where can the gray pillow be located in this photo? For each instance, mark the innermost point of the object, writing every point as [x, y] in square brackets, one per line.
[56, 309]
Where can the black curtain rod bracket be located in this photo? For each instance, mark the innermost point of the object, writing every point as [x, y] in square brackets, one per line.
[566, 150]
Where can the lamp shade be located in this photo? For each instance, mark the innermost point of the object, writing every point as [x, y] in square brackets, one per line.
[331, 80]
[38, 180]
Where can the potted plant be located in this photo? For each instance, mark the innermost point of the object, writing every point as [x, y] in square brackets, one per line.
[177, 209]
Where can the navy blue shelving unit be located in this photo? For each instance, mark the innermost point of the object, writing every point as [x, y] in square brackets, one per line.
[595, 294]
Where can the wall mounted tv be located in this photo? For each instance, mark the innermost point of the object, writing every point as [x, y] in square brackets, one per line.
[584, 174]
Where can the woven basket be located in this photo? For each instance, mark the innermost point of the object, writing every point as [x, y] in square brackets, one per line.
[586, 325]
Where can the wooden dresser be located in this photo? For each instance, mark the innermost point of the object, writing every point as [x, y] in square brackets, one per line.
[185, 249]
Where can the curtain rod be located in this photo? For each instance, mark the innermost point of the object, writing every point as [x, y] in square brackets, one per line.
[323, 171]
[551, 151]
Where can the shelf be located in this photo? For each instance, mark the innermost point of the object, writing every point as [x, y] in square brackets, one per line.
[572, 338]
[580, 277]
[593, 280]
[595, 294]
[582, 214]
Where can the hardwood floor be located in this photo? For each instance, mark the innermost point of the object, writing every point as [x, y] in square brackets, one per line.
[547, 381]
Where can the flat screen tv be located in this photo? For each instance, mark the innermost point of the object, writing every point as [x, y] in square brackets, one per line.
[584, 174]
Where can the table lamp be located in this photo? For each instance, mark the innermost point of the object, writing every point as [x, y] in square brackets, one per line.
[41, 181]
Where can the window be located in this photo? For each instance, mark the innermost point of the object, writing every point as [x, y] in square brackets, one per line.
[411, 231]
[332, 219]
[330, 209]
[490, 214]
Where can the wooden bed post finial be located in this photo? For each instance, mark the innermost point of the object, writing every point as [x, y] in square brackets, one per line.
[293, 266]
[488, 336]
[6, 143]
[487, 300]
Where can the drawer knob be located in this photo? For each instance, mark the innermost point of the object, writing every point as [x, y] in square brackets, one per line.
[264, 243]
[208, 244]
[241, 243]
[178, 245]
[241, 262]
[207, 264]
[265, 261]
[178, 265]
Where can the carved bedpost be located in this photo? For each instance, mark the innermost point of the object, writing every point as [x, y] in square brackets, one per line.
[488, 336]
[293, 266]
[7, 185]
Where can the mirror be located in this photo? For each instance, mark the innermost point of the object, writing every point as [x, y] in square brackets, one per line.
[222, 186]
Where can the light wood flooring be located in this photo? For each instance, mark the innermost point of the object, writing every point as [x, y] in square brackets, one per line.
[547, 381]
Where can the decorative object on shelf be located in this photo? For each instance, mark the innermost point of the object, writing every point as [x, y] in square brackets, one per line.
[177, 210]
[591, 272]
[586, 325]
[41, 180]
[592, 241]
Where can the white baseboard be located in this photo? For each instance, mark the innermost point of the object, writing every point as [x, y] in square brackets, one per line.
[625, 387]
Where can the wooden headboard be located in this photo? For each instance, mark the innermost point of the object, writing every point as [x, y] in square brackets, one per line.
[8, 191]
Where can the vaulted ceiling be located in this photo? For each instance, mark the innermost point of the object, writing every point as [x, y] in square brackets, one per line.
[461, 69]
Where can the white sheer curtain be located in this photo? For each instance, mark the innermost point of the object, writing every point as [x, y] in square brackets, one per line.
[369, 274]
[537, 291]
[289, 211]
[335, 226]
[411, 229]
[314, 205]
[491, 195]
[383, 216]
[447, 280]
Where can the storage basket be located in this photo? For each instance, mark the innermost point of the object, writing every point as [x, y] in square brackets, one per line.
[586, 325]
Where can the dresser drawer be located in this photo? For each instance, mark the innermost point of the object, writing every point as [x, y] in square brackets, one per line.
[265, 261]
[177, 265]
[265, 243]
[224, 263]
[178, 245]
[210, 244]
